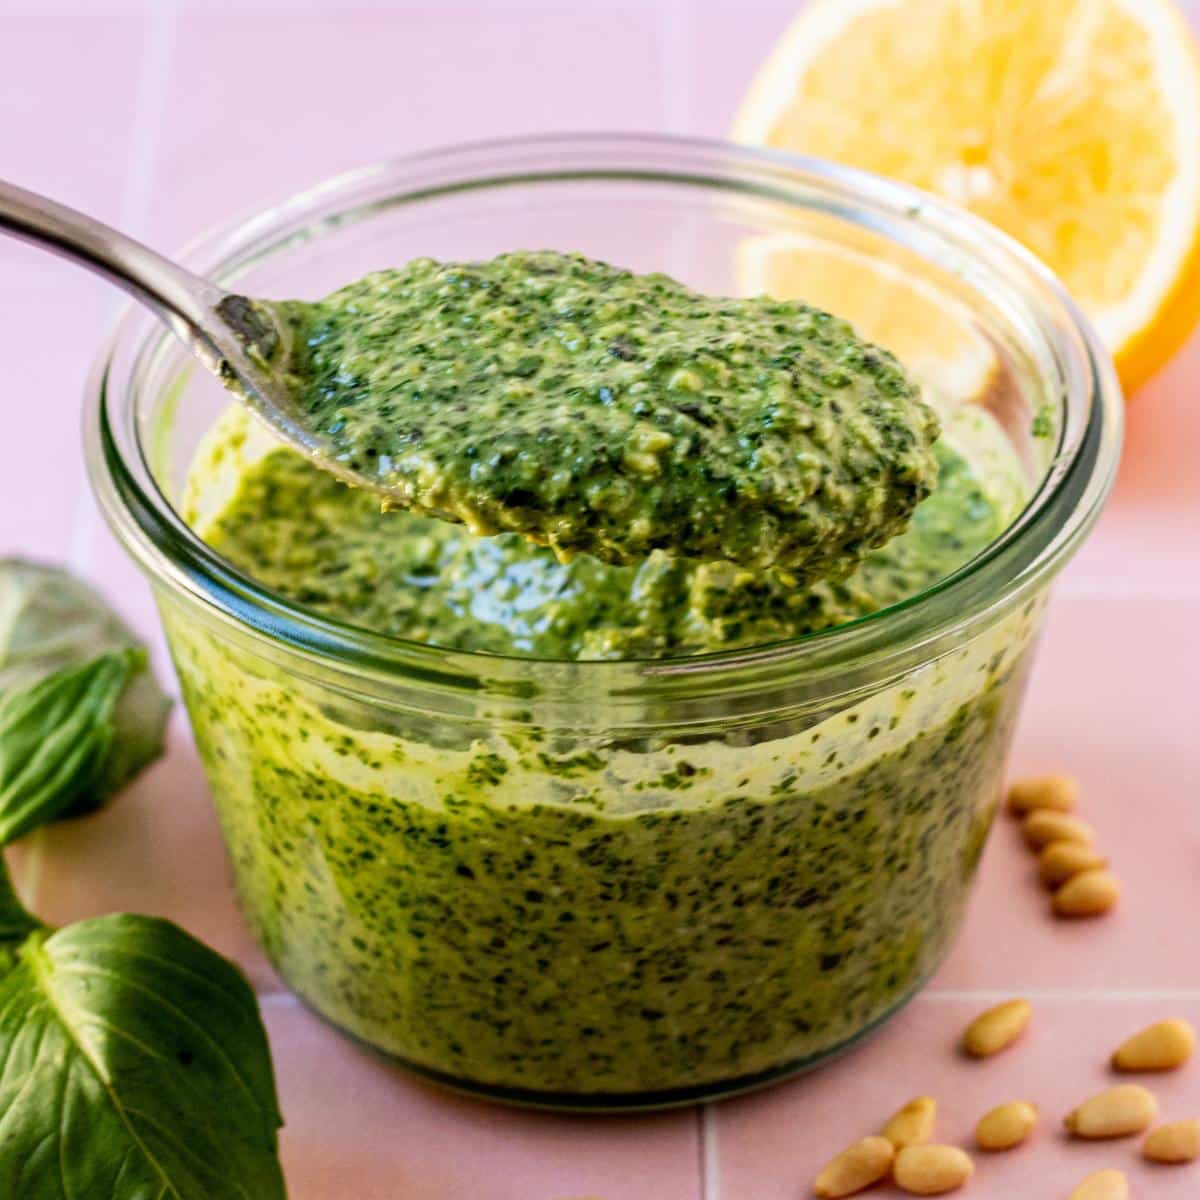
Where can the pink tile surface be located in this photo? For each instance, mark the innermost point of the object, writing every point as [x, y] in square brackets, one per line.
[360, 1130]
[167, 117]
[333, 88]
[157, 850]
[1146, 540]
[725, 43]
[771, 1146]
[52, 324]
[1127, 731]
[75, 146]
[72, 143]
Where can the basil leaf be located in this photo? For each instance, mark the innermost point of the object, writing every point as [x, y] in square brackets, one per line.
[133, 1066]
[55, 738]
[133, 1060]
[50, 621]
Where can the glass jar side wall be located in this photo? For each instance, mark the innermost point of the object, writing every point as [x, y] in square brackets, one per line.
[596, 923]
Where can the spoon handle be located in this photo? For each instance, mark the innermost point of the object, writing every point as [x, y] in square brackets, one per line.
[183, 300]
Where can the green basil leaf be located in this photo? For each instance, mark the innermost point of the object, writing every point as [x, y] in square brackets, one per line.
[133, 1066]
[50, 621]
[55, 738]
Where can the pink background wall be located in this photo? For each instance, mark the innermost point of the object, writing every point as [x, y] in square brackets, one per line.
[166, 118]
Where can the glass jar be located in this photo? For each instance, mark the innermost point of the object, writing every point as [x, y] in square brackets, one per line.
[620, 884]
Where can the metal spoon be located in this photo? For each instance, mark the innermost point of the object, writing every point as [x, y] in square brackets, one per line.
[234, 336]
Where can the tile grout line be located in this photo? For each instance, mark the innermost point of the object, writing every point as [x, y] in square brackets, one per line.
[150, 101]
[149, 120]
[1106, 995]
[674, 38]
[1171, 592]
[710, 1158]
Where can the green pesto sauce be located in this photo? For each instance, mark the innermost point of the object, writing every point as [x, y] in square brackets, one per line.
[306, 536]
[580, 918]
[591, 917]
[599, 411]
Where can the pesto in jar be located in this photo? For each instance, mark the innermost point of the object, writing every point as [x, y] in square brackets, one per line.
[592, 918]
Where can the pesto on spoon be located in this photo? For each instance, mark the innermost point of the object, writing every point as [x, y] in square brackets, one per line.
[582, 406]
[602, 412]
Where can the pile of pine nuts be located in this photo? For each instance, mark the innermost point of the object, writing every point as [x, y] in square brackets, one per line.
[1068, 862]
[905, 1153]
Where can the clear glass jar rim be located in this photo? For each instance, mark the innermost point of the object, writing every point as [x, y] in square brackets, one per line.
[1056, 519]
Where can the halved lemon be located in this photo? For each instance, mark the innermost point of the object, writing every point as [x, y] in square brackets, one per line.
[1074, 125]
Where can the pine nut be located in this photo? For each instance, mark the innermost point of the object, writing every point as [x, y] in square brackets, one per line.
[997, 1028]
[912, 1124]
[932, 1170]
[1119, 1111]
[1103, 1185]
[1162, 1046]
[1088, 894]
[1006, 1126]
[1061, 861]
[1042, 828]
[857, 1167]
[1177, 1142]
[1058, 793]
